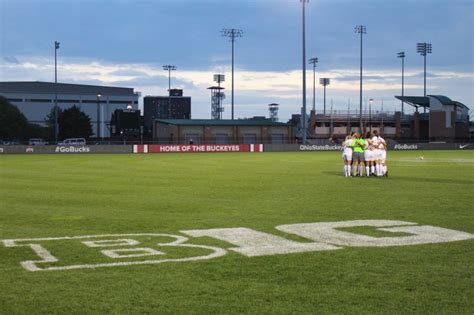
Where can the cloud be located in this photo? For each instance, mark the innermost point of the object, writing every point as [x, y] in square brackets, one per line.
[254, 90]
[128, 72]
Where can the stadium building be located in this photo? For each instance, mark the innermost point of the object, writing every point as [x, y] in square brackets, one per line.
[442, 120]
[36, 99]
[221, 131]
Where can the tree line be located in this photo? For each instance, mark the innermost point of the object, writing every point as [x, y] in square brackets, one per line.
[14, 126]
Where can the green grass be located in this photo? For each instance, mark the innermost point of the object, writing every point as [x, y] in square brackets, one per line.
[71, 195]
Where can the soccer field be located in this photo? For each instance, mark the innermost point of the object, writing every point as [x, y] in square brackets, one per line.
[121, 234]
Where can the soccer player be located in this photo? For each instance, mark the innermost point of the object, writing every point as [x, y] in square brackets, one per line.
[358, 148]
[381, 154]
[347, 154]
[377, 152]
[383, 157]
[369, 155]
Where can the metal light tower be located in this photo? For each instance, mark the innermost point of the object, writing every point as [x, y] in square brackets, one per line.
[56, 112]
[232, 33]
[402, 56]
[303, 114]
[217, 96]
[314, 61]
[424, 49]
[324, 82]
[273, 111]
[169, 68]
[98, 115]
[360, 29]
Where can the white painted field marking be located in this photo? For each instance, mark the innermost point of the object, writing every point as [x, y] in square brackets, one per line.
[253, 243]
[46, 257]
[111, 243]
[324, 236]
[139, 252]
[326, 232]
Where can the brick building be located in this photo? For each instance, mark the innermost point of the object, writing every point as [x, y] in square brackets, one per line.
[222, 131]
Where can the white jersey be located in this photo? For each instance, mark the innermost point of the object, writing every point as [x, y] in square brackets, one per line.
[382, 148]
[381, 143]
[375, 141]
[347, 149]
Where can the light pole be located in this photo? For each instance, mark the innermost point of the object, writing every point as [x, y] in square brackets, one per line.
[370, 114]
[402, 56]
[169, 68]
[360, 29]
[98, 115]
[314, 61]
[424, 49]
[324, 82]
[303, 114]
[56, 112]
[232, 33]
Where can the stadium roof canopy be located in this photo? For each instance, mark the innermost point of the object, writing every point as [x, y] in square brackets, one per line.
[38, 87]
[416, 101]
[221, 122]
[424, 101]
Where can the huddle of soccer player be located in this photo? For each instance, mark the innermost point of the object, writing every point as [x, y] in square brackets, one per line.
[367, 154]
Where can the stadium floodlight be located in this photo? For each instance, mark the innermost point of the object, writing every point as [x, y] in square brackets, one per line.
[424, 49]
[232, 33]
[314, 61]
[98, 95]
[56, 112]
[360, 29]
[303, 110]
[169, 68]
[402, 56]
[324, 82]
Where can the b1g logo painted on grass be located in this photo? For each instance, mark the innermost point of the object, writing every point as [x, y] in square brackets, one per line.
[130, 249]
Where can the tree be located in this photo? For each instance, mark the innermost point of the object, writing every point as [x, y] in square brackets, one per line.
[50, 121]
[13, 124]
[74, 123]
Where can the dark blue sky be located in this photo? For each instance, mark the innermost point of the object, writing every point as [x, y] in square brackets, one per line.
[187, 33]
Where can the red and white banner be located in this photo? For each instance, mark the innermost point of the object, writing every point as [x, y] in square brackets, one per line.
[196, 148]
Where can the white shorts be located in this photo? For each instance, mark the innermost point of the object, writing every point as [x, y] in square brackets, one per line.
[377, 154]
[369, 155]
[347, 155]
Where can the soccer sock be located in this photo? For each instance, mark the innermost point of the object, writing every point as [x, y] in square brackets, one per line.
[372, 169]
[345, 170]
[377, 169]
[385, 169]
[367, 170]
[359, 170]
